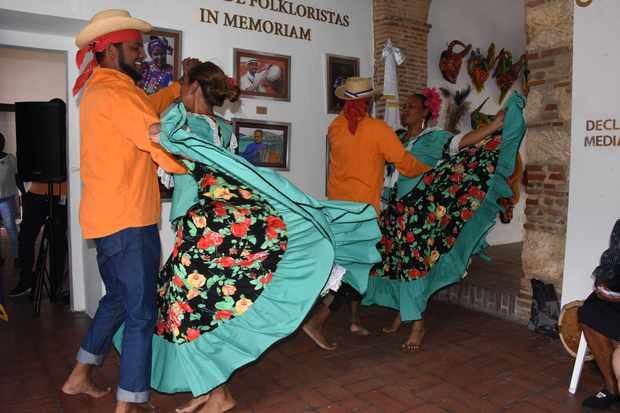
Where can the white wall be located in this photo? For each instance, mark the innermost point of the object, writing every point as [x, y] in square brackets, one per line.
[306, 111]
[594, 198]
[32, 74]
[479, 23]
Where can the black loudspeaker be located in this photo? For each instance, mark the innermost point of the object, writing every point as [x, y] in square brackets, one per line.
[41, 130]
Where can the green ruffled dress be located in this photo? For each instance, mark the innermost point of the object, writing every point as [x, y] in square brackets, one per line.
[437, 221]
[253, 253]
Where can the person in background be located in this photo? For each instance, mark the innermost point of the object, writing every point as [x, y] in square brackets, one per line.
[599, 317]
[120, 204]
[35, 210]
[360, 146]
[8, 195]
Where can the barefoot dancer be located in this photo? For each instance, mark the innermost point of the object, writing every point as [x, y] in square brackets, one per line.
[436, 222]
[252, 252]
[359, 148]
[120, 199]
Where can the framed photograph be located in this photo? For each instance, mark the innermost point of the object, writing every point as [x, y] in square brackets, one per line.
[263, 75]
[161, 66]
[264, 143]
[162, 62]
[339, 68]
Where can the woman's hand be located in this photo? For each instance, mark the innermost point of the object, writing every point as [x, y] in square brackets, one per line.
[154, 131]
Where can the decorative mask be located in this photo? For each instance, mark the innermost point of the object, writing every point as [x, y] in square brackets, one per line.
[506, 73]
[479, 67]
[450, 61]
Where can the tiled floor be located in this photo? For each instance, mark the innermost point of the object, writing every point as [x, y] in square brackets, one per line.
[470, 363]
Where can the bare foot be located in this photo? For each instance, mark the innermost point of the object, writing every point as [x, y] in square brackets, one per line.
[192, 405]
[79, 382]
[220, 401]
[359, 330]
[317, 336]
[414, 341]
[126, 407]
[394, 326]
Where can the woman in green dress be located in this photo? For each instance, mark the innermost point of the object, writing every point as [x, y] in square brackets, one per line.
[434, 223]
[252, 251]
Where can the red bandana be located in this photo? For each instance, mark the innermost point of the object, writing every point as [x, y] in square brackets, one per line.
[354, 112]
[99, 45]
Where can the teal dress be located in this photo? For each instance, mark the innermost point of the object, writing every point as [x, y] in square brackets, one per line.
[437, 221]
[252, 254]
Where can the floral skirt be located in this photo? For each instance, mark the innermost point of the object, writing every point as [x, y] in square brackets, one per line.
[248, 264]
[429, 235]
[226, 252]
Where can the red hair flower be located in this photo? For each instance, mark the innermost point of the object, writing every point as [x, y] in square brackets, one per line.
[433, 101]
[231, 82]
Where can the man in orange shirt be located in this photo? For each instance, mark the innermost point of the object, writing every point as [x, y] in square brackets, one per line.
[120, 205]
[359, 146]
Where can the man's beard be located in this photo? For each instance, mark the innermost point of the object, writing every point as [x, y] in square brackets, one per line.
[129, 70]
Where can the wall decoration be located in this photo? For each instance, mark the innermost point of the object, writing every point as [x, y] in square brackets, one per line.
[479, 119]
[506, 73]
[457, 106]
[264, 143]
[263, 75]
[339, 68]
[479, 67]
[525, 81]
[450, 61]
[162, 64]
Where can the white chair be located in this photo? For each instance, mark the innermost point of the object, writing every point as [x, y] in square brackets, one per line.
[579, 360]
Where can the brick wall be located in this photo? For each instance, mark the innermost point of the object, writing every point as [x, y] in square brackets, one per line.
[548, 112]
[405, 22]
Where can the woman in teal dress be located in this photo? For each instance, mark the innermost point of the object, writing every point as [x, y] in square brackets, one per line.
[434, 223]
[252, 251]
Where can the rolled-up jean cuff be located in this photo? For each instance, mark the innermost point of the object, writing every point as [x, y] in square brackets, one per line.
[85, 357]
[131, 396]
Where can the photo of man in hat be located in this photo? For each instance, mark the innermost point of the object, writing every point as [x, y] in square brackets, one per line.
[120, 204]
[254, 80]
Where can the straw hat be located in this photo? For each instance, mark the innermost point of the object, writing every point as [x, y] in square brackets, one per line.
[355, 88]
[108, 21]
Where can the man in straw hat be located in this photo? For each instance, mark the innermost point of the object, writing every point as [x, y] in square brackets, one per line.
[359, 148]
[120, 205]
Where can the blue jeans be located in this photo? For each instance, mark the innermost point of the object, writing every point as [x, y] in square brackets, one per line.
[128, 262]
[7, 212]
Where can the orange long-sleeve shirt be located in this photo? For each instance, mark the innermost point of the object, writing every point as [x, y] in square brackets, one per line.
[356, 162]
[120, 188]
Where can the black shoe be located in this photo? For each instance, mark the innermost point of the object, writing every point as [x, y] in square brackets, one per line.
[602, 400]
[19, 290]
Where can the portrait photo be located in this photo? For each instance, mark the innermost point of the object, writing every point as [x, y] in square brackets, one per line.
[339, 68]
[162, 62]
[263, 75]
[263, 143]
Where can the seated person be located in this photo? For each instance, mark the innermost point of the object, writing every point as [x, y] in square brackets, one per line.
[600, 319]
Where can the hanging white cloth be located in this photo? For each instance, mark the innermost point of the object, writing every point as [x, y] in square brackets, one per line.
[392, 58]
